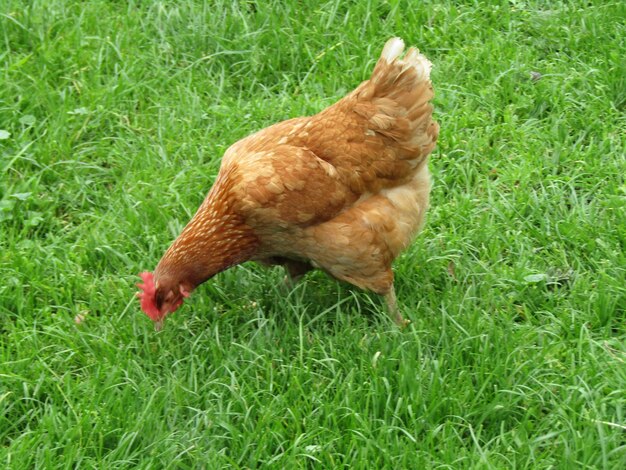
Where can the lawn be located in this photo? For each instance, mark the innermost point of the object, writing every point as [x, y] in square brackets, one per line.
[113, 119]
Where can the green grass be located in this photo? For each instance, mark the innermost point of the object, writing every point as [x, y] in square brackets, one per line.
[118, 115]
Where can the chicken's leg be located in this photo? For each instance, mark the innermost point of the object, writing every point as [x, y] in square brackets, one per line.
[392, 307]
[295, 271]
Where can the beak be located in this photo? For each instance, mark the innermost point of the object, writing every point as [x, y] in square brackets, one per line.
[158, 325]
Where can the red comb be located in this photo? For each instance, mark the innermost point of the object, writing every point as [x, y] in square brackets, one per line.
[148, 304]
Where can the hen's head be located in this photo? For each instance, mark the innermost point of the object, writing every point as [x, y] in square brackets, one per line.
[160, 299]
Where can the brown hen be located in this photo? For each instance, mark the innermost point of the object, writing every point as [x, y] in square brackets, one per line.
[344, 191]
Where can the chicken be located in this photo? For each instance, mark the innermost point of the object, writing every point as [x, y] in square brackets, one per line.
[345, 191]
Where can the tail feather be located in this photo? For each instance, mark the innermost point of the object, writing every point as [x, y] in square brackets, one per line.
[391, 69]
[392, 50]
[398, 99]
[419, 62]
[393, 133]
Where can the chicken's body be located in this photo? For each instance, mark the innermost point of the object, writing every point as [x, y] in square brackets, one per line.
[345, 190]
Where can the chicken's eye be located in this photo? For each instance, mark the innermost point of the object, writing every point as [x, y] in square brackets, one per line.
[161, 297]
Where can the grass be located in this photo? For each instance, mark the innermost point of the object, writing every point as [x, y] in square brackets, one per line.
[113, 118]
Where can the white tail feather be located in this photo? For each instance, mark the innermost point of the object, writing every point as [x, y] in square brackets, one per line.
[394, 47]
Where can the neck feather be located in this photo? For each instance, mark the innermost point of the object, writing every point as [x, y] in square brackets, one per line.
[215, 239]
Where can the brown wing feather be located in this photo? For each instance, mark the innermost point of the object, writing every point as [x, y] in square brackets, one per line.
[289, 186]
